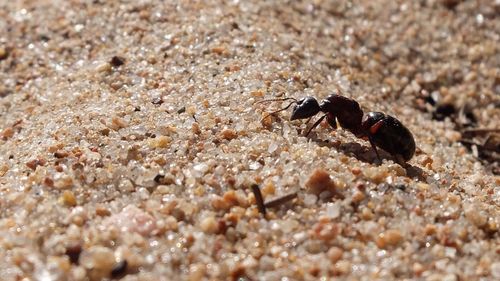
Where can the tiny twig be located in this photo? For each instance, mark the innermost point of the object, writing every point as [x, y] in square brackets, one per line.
[481, 130]
[280, 200]
[259, 199]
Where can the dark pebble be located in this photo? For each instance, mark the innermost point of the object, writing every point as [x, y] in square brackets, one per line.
[73, 252]
[443, 111]
[159, 178]
[181, 110]
[119, 269]
[117, 61]
[157, 101]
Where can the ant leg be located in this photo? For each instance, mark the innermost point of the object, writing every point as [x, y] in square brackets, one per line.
[400, 160]
[315, 124]
[279, 110]
[375, 148]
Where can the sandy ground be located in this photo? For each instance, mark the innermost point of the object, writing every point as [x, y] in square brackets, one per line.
[130, 138]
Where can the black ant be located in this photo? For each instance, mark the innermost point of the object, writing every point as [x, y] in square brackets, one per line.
[382, 130]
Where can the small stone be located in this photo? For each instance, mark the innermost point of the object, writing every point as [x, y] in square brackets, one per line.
[268, 189]
[64, 182]
[427, 161]
[257, 93]
[191, 110]
[342, 267]
[266, 120]
[102, 211]
[333, 210]
[126, 185]
[219, 203]
[390, 237]
[422, 186]
[356, 171]
[358, 196]
[48, 182]
[219, 50]
[103, 67]
[229, 134]
[366, 214]
[35, 163]
[196, 272]
[209, 225]
[452, 136]
[68, 198]
[3, 169]
[230, 198]
[195, 128]
[450, 4]
[73, 251]
[157, 101]
[7, 133]
[319, 181]
[119, 269]
[375, 174]
[99, 260]
[335, 254]
[418, 269]
[161, 142]
[171, 223]
[117, 61]
[133, 219]
[430, 229]
[118, 123]
[61, 154]
[474, 215]
[325, 230]
[3, 53]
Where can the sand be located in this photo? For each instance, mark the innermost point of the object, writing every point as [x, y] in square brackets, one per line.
[131, 136]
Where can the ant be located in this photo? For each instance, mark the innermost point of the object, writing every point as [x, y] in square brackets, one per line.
[382, 130]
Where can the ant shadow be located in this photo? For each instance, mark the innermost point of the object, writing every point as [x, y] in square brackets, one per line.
[367, 154]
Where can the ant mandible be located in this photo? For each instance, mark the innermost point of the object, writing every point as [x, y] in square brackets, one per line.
[382, 130]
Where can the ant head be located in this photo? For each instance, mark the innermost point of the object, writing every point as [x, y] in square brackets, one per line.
[305, 108]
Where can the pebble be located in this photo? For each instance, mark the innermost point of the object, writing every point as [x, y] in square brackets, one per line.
[319, 181]
[104, 67]
[209, 225]
[7, 133]
[63, 182]
[229, 134]
[388, 238]
[335, 254]
[3, 53]
[118, 123]
[325, 230]
[68, 198]
[133, 219]
[161, 142]
[117, 61]
[98, 260]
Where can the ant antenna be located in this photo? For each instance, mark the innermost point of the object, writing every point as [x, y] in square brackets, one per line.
[283, 99]
[339, 90]
[294, 101]
[279, 110]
